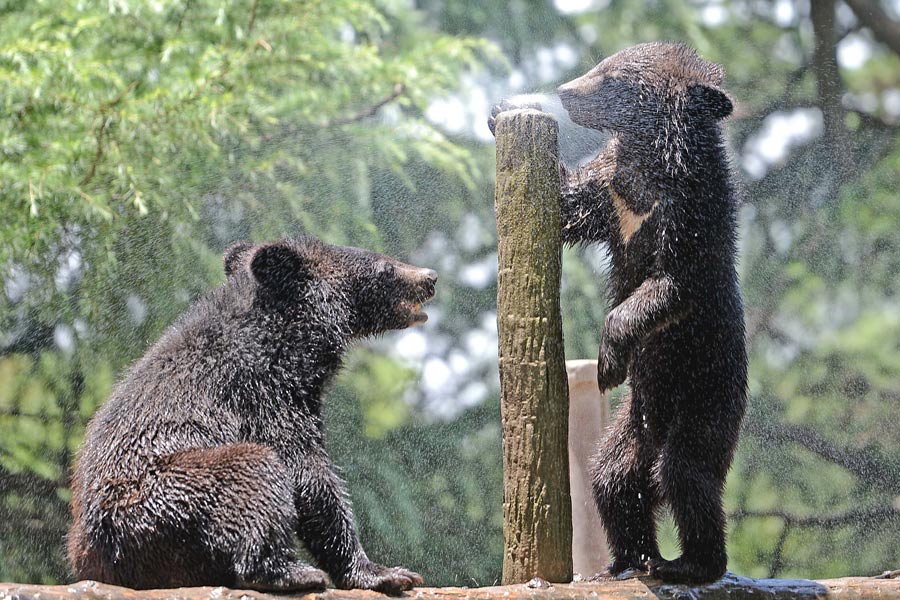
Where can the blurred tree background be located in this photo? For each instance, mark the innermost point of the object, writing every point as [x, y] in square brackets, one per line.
[139, 138]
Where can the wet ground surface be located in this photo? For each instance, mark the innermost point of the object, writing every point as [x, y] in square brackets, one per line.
[731, 586]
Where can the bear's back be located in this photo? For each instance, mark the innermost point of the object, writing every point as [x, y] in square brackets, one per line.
[170, 399]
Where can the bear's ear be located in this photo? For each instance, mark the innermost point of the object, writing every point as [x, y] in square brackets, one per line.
[710, 101]
[233, 256]
[278, 265]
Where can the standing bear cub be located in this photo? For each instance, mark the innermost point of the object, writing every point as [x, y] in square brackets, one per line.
[659, 195]
[209, 460]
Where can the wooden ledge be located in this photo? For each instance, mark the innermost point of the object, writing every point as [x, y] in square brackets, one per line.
[731, 586]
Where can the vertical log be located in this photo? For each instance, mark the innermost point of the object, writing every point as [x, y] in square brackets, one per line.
[537, 510]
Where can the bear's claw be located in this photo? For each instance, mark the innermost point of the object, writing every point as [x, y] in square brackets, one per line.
[682, 571]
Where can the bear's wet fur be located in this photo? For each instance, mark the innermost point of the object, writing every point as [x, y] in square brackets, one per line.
[660, 195]
[208, 461]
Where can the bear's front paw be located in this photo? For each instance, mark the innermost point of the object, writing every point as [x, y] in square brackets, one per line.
[387, 580]
[295, 577]
[612, 366]
[505, 106]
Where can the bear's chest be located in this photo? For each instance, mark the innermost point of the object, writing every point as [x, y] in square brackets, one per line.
[633, 246]
[632, 216]
[634, 221]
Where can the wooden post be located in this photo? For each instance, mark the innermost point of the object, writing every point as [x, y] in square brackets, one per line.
[537, 510]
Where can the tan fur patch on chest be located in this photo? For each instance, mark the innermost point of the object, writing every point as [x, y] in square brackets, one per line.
[629, 221]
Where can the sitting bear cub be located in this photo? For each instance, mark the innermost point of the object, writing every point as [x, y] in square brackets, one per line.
[209, 458]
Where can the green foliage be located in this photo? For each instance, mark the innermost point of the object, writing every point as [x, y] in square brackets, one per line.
[187, 123]
[425, 493]
[138, 139]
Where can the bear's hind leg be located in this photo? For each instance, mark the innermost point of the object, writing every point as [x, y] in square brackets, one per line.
[626, 495]
[245, 498]
[693, 479]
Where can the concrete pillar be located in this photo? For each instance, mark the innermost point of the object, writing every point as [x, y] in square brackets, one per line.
[588, 417]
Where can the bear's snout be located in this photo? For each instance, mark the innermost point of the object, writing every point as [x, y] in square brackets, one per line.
[575, 98]
[575, 90]
[420, 282]
[568, 89]
[421, 288]
[429, 278]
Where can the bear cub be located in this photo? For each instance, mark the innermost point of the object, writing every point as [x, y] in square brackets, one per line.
[208, 461]
[659, 195]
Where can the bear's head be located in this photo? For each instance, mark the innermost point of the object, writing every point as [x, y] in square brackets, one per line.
[366, 292]
[650, 90]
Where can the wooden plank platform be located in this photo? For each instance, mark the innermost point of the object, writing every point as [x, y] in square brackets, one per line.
[731, 586]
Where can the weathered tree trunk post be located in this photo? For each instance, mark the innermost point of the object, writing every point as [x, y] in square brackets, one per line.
[537, 510]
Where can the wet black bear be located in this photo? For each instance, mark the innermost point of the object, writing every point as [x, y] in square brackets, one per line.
[208, 461]
[660, 196]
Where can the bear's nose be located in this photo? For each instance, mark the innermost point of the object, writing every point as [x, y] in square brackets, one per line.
[569, 88]
[429, 278]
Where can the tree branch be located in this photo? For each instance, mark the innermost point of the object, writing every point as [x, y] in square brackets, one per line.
[874, 122]
[784, 102]
[886, 30]
[15, 413]
[27, 483]
[252, 19]
[829, 88]
[92, 170]
[164, 113]
[759, 319]
[778, 554]
[864, 464]
[104, 121]
[859, 515]
[398, 90]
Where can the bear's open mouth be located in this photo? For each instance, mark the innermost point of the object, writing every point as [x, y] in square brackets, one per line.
[416, 316]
